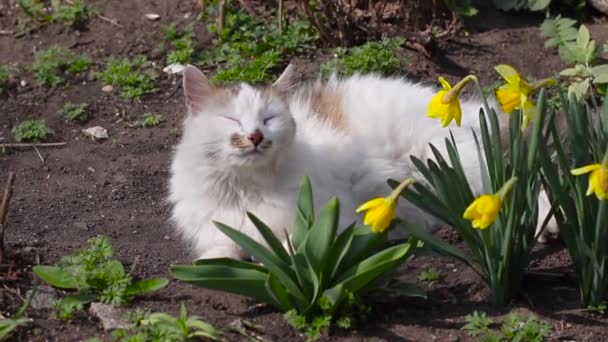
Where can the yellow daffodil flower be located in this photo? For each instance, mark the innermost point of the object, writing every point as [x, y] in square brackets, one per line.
[598, 179]
[445, 105]
[380, 212]
[515, 94]
[485, 209]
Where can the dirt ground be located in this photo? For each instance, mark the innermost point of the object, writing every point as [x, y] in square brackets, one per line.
[117, 187]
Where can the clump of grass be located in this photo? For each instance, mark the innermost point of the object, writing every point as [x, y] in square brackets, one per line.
[160, 326]
[130, 75]
[74, 112]
[429, 275]
[7, 72]
[181, 41]
[152, 120]
[31, 131]
[249, 49]
[372, 57]
[51, 65]
[75, 13]
[514, 328]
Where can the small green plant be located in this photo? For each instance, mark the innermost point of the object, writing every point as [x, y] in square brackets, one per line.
[7, 74]
[181, 41]
[51, 65]
[151, 120]
[130, 76]
[478, 324]
[249, 49]
[31, 131]
[95, 275]
[8, 325]
[429, 275]
[514, 328]
[256, 71]
[580, 53]
[321, 276]
[581, 208]
[75, 13]
[164, 327]
[601, 308]
[74, 112]
[372, 57]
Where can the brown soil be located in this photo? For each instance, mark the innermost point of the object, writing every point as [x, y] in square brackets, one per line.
[117, 187]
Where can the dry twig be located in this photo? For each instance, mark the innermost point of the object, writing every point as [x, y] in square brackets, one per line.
[24, 145]
[110, 20]
[8, 192]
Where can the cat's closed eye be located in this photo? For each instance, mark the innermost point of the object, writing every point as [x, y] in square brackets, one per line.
[231, 119]
[267, 120]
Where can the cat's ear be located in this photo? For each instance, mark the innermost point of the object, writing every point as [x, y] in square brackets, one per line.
[287, 81]
[197, 88]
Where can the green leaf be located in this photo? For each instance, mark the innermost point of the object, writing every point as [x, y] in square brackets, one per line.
[275, 265]
[364, 242]
[584, 37]
[367, 271]
[147, 286]
[232, 276]
[278, 292]
[57, 277]
[273, 242]
[579, 89]
[305, 213]
[600, 73]
[538, 5]
[436, 244]
[321, 236]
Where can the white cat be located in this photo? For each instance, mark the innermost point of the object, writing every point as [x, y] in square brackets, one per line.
[246, 148]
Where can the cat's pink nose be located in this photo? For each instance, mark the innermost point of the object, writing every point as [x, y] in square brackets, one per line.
[256, 137]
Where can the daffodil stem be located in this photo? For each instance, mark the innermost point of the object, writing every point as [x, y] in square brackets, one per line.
[504, 190]
[541, 83]
[399, 189]
[486, 106]
[605, 159]
[457, 89]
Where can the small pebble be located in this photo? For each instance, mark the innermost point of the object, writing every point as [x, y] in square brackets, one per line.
[107, 88]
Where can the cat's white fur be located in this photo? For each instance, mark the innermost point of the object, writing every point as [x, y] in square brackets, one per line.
[383, 121]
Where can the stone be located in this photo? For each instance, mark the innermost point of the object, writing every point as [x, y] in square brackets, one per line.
[44, 298]
[111, 318]
[107, 88]
[152, 16]
[96, 132]
[81, 225]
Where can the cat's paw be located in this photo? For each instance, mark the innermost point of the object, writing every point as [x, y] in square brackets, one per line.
[231, 252]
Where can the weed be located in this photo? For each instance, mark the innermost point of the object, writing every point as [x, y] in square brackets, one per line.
[164, 327]
[51, 65]
[477, 324]
[96, 275]
[130, 76]
[429, 275]
[514, 328]
[8, 325]
[249, 49]
[151, 120]
[372, 57]
[598, 309]
[7, 73]
[74, 13]
[254, 71]
[74, 112]
[31, 130]
[183, 49]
